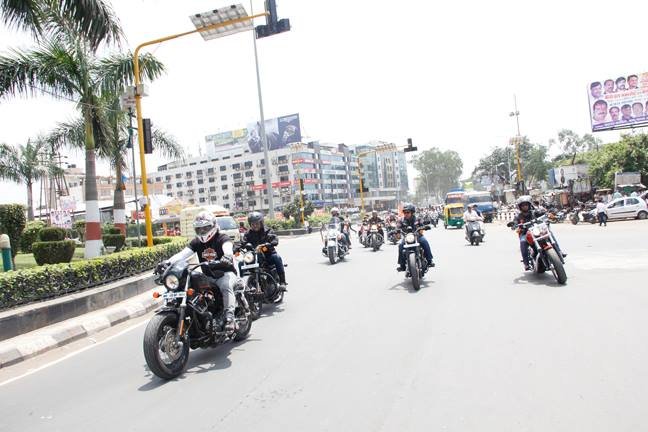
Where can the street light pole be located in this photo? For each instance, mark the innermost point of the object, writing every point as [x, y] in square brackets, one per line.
[517, 140]
[130, 142]
[264, 137]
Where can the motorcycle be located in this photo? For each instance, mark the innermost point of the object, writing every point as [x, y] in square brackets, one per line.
[544, 257]
[414, 258]
[193, 316]
[335, 247]
[375, 239]
[393, 233]
[434, 219]
[474, 233]
[261, 279]
[363, 234]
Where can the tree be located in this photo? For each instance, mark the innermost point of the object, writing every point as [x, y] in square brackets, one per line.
[66, 66]
[571, 143]
[630, 154]
[292, 210]
[22, 165]
[439, 170]
[93, 20]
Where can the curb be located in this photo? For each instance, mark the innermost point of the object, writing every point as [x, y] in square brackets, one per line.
[23, 347]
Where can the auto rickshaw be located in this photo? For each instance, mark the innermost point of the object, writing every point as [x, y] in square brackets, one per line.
[453, 215]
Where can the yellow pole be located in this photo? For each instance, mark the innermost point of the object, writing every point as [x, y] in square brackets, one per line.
[517, 151]
[301, 197]
[138, 108]
[360, 178]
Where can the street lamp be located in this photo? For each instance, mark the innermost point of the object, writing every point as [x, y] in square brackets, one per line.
[517, 141]
[217, 23]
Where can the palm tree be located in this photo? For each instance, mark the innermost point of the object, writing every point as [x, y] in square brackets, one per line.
[93, 20]
[112, 145]
[22, 165]
[66, 67]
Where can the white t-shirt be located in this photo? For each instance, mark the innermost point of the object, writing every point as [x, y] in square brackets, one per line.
[601, 208]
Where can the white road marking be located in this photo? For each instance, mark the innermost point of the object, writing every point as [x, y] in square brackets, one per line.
[96, 344]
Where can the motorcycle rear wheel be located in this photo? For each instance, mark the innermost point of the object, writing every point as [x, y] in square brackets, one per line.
[414, 271]
[157, 340]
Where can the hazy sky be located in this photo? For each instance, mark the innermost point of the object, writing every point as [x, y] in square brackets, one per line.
[443, 73]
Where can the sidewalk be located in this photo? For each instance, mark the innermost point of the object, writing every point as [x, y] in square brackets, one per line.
[23, 347]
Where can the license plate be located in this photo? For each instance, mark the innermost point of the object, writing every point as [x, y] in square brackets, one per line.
[174, 295]
[331, 243]
[410, 245]
[250, 266]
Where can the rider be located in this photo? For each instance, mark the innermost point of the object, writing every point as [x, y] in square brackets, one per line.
[335, 213]
[410, 220]
[375, 220]
[527, 213]
[259, 235]
[471, 215]
[210, 245]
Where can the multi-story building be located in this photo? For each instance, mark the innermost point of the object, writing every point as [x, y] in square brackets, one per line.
[384, 174]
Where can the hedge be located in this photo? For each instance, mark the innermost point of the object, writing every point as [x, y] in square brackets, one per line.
[12, 223]
[116, 240]
[30, 235]
[132, 242]
[49, 281]
[51, 234]
[53, 252]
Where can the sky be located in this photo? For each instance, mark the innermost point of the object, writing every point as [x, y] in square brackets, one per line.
[442, 73]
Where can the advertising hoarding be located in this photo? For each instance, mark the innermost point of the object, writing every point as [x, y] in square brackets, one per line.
[617, 103]
[280, 132]
[563, 174]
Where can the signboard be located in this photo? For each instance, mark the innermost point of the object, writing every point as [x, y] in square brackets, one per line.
[258, 187]
[137, 215]
[620, 102]
[280, 132]
[61, 218]
[563, 174]
[282, 184]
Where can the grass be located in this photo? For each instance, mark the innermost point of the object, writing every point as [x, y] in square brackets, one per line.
[25, 261]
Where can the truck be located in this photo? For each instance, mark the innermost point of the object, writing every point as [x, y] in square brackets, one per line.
[484, 203]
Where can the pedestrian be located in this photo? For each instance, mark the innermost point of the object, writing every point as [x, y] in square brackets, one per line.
[601, 212]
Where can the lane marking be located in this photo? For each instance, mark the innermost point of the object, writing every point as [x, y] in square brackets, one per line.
[52, 363]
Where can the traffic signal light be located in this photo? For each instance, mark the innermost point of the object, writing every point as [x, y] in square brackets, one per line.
[410, 147]
[148, 142]
[273, 24]
[301, 184]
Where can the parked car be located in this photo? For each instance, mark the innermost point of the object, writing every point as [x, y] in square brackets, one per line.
[629, 207]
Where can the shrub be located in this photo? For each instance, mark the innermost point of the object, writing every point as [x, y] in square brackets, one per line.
[156, 241]
[30, 235]
[79, 226]
[40, 283]
[51, 234]
[116, 240]
[319, 220]
[12, 223]
[53, 252]
[114, 230]
[131, 229]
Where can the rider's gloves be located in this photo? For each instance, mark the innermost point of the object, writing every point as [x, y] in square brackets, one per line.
[226, 260]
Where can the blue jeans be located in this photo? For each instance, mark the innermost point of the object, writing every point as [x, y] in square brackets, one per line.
[602, 217]
[426, 251]
[275, 259]
[524, 249]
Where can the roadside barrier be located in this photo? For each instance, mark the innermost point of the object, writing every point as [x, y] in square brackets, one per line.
[506, 215]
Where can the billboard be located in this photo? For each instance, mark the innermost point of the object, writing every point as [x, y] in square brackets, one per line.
[617, 103]
[563, 174]
[280, 132]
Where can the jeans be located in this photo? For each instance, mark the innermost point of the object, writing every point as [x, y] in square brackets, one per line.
[426, 251]
[226, 286]
[524, 249]
[602, 218]
[276, 260]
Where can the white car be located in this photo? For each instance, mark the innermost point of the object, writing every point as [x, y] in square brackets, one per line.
[629, 207]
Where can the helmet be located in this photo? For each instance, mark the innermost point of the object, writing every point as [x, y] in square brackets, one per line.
[374, 213]
[335, 211]
[473, 205]
[409, 208]
[523, 199]
[205, 226]
[255, 217]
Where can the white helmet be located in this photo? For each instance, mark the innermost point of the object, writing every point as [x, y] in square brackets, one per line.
[205, 226]
[335, 211]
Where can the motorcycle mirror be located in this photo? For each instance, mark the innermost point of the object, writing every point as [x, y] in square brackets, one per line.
[510, 224]
[249, 246]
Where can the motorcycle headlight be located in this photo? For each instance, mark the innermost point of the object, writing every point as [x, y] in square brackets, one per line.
[332, 233]
[410, 238]
[374, 227]
[248, 258]
[171, 282]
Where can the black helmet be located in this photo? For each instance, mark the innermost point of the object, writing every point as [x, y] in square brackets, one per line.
[523, 199]
[255, 217]
[409, 208]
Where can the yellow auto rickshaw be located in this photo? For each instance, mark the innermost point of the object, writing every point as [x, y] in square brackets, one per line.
[453, 215]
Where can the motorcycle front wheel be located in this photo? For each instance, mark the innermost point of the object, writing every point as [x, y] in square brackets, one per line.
[332, 255]
[163, 357]
[414, 271]
[557, 267]
[254, 296]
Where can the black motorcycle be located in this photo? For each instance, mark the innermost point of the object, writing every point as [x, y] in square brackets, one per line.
[193, 316]
[413, 253]
[262, 280]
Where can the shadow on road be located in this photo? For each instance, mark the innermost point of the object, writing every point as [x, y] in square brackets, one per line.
[406, 285]
[269, 309]
[545, 279]
[200, 361]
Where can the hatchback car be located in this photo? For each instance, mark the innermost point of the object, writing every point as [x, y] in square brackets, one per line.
[630, 207]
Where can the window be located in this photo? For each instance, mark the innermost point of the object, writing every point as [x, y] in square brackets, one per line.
[179, 194]
[616, 204]
[249, 174]
[169, 186]
[199, 172]
[201, 190]
[223, 168]
[283, 178]
[192, 201]
[179, 185]
[283, 168]
[263, 171]
[251, 193]
[167, 178]
[202, 200]
[213, 198]
[248, 164]
[212, 179]
[210, 171]
[188, 174]
[236, 166]
[179, 175]
[252, 203]
[236, 176]
[212, 189]
[158, 179]
[632, 201]
[224, 187]
[201, 181]
[189, 183]
[224, 178]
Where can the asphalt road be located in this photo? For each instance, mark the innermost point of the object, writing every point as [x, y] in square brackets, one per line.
[482, 347]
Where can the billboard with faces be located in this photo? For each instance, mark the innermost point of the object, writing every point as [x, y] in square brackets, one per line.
[618, 102]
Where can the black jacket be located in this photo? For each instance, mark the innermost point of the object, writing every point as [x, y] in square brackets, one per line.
[413, 222]
[264, 235]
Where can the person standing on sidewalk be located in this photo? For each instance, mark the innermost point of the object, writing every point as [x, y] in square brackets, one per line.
[601, 212]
